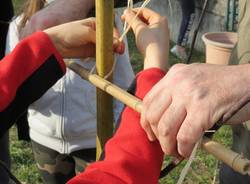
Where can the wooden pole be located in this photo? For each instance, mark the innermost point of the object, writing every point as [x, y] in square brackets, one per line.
[229, 157]
[104, 63]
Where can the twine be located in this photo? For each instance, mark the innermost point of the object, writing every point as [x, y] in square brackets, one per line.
[145, 3]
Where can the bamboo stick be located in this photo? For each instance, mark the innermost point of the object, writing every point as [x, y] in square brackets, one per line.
[229, 157]
[104, 63]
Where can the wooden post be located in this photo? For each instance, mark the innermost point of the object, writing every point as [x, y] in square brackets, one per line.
[104, 63]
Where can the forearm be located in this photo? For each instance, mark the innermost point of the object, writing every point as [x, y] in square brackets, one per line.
[242, 112]
[26, 74]
[129, 156]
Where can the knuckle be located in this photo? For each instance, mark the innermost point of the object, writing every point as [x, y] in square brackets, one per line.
[145, 125]
[146, 102]
[177, 67]
[183, 139]
[169, 149]
[184, 153]
[151, 118]
[164, 131]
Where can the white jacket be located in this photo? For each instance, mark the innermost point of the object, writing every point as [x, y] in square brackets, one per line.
[64, 119]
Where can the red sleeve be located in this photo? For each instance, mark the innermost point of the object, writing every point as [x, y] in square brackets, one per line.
[26, 74]
[129, 156]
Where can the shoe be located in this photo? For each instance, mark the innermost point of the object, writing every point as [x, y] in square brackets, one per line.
[179, 52]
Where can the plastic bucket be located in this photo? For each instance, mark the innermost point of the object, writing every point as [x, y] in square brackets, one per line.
[219, 46]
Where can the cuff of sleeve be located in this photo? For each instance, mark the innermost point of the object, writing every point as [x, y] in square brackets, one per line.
[44, 48]
[146, 79]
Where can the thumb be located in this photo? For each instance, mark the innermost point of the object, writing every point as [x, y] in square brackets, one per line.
[134, 22]
[90, 35]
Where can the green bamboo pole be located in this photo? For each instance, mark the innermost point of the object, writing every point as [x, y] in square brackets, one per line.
[104, 63]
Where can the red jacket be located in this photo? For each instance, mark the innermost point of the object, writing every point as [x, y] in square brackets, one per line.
[33, 67]
[25, 75]
[129, 156]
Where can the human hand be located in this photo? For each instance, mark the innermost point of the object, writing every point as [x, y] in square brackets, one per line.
[77, 39]
[152, 36]
[189, 100]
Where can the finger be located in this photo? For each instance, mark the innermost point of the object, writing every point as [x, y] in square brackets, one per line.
[116, 33]
[150, 118]
[85, 51]
[157, 95]
[118, 46]
[156, 102]
[168, 127]
[189, 133]
[148, 16]
[158, 107]
[89, 35]
[146, 126]
[135, 23]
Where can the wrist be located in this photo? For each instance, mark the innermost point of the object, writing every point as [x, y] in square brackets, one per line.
[156, 58]
[55, 40]
[244, 71]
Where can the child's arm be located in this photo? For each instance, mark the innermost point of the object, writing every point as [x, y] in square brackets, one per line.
[129, 156]
[25, 74]
[36, 64]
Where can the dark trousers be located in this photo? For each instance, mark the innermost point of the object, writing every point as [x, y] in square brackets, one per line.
[57, 168]
[188, 10]
[5, 157]
[6, 13]
[229, 176]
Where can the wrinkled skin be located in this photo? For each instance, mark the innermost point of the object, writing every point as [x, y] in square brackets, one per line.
[191, 99]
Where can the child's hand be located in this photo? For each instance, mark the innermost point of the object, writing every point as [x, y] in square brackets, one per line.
[152, 36]
[77, 39]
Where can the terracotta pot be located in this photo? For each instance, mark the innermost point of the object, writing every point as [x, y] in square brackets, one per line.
[219, 46]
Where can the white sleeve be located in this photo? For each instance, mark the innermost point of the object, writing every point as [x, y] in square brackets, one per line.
[12, 36]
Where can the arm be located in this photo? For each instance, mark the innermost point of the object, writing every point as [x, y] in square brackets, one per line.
[35, 65]
[58, 12]
[20, 84]
[129, 156]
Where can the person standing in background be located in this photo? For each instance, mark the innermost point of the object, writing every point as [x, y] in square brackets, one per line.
[188, 16]
[6, 13]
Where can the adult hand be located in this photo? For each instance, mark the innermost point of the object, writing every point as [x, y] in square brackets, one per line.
[58, 12]
[152, 36]
[77, 39]
[189, 100]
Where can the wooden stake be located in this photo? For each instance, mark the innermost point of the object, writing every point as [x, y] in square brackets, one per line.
[104, 63]
[229, 157]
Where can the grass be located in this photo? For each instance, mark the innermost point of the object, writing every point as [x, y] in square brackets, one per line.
[203, 169]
